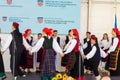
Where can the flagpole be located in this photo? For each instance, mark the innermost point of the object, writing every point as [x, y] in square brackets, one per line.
[115, 6]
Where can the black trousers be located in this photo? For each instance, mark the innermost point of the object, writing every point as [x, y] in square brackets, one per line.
[94, 66]
[15, 64]
[2, 70]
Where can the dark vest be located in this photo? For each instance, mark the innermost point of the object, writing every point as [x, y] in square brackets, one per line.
[47, 44]
[58, 40]
[67, 39]
[96, 57]
[16, 43]
[30, 42]
[88, 48]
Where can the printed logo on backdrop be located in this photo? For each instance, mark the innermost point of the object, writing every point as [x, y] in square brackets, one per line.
[9, 2]
[4, 18]
[40, 19]
[40, 3]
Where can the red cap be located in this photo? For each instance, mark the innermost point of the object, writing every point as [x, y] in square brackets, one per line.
[15, 24]
[55, 31]
[75, 32]
[93, 37]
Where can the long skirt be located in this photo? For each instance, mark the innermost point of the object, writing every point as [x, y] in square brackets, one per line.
[75, 65]
[29, 61]
[48, 63]
[117, 71]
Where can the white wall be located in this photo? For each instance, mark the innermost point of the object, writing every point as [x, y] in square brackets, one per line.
[101, 16]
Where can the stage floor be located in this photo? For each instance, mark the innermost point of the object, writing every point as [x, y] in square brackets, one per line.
[36, 76]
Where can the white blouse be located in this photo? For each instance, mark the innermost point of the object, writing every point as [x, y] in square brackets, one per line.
[91, 53]
[114, 45]
[70, 46]
[105, 44]
[39, 44]
[9, 40]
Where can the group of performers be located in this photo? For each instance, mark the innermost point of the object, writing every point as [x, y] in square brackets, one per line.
[77, 57]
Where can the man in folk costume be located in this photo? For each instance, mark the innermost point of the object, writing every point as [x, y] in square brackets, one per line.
[86, 49]
[48, 58]
[94, 56]
[2, 70]
[114, 54]
[57, 57]
[74, 65]
[29, 58]
[64, 59]
[14, 43]
[39, 54]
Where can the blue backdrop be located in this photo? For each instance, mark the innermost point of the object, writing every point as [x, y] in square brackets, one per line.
[36, 14]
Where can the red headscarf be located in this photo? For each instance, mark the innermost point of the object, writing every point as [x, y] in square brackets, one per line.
[75, 32]
[26, 32]
[45, 30]
[116, 31]
[48, 31]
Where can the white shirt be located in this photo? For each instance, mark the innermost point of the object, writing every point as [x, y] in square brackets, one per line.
[105, 44]
[84, 45]
[9, 40]
[39, 44]
[81, 50]
[114, 45]
[70, 46]
[91, 53]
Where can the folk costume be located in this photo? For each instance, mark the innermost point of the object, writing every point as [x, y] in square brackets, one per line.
[74, 64]
[28, 59]
[104, 45]
[114, 54]
[14, 43]
[94, 57]
[48, 56]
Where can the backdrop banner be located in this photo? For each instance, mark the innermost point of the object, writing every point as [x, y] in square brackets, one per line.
[61, 15]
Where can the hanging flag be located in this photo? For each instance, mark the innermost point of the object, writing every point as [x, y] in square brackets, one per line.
[115, 22]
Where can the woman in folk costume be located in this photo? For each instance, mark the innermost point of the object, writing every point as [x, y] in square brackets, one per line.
[2, 70]
[114, 54]
[94, 56]
[104, 45]
[14, 43]
[29, 58]
[48, 56]
[74, 65]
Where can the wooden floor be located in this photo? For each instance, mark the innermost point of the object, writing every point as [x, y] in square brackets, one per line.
[36, 76]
